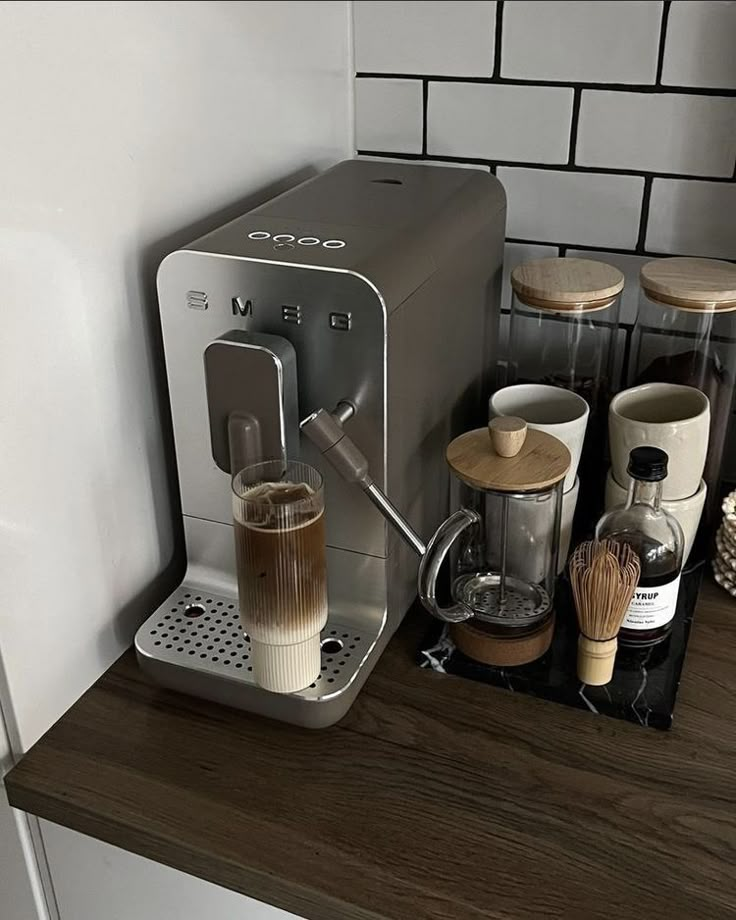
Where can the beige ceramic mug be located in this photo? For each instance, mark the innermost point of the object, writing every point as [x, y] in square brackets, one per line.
[670, 416]
[559, 412]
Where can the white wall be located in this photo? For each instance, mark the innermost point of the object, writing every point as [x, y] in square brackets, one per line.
[127, 130]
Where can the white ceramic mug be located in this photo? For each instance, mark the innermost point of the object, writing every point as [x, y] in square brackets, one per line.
[555, 410]
[670, 416]
[688, 511]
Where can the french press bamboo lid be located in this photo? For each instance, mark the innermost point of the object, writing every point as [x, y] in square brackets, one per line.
[483, 462]
[697, 285]
[567, 285]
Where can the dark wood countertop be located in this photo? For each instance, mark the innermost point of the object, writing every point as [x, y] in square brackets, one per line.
[436, 797]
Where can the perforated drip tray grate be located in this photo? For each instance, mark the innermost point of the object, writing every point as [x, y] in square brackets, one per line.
[202, 632]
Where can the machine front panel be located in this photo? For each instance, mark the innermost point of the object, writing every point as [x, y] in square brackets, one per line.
[336, 323]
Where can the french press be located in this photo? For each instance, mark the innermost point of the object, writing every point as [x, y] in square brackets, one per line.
[502, 540]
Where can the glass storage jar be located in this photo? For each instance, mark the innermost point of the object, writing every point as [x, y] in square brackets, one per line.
[564, 320]
[686, 333]
[563, 331]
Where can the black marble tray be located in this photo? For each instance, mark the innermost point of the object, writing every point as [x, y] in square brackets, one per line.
[644, 685]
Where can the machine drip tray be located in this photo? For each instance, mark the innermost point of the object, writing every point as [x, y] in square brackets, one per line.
[194, 643]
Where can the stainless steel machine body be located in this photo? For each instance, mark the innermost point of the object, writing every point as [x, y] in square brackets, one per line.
[385, 280]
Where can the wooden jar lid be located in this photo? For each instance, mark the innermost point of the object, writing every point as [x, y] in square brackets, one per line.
[541, 462]
[700, 285]
[579, 285]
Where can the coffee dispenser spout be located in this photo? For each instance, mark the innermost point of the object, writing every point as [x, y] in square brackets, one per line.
[324, 429]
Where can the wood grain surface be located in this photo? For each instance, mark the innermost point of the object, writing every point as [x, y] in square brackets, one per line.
[582, 285]
[436, 798]
[697, 284]
[542, 461]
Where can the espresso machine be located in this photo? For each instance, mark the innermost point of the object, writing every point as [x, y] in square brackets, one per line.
[372, 290]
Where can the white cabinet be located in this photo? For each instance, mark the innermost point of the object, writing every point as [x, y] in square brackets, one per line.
[16, 893]
[96, 881]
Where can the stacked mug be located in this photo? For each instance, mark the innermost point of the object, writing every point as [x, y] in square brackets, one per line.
[675, 418]
[564, 415]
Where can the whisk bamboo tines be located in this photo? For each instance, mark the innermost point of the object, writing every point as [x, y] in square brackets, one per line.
[604, 576]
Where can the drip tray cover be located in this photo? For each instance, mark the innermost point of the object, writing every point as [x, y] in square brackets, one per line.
[194, 643]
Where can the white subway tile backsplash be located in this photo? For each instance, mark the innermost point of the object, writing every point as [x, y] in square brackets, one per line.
[515, 254]
[576, 208]
[626, 124]
[438, 38]
[388, 115]
[701, 45]
[525, 123]
[630, 266]
[689, 217]
[663, 133]
[590, 42]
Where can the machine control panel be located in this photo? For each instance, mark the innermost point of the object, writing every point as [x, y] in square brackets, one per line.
[288, 239]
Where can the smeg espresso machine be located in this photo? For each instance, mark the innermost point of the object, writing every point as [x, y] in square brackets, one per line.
[372, 290]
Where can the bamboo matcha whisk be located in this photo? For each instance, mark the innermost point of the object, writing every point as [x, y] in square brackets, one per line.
[604, 576]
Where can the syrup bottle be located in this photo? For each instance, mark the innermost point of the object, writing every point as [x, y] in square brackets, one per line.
[658, 540]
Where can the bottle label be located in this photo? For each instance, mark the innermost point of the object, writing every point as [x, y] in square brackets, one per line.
[651, 608]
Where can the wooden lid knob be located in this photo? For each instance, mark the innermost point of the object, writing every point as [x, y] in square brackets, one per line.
[508, 434]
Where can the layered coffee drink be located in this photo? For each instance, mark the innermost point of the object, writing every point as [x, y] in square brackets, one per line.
[282, 571]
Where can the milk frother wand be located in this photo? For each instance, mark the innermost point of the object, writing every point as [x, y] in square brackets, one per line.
[324, 429]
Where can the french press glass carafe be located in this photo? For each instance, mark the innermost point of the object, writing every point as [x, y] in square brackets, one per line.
[503, 538]
[503, 542]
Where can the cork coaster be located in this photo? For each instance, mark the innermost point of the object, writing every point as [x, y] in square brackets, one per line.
[482, 646]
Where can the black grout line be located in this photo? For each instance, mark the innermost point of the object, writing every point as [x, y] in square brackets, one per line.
[644, 216]
[550, 167]
[425, 98]
[582, 246]
[562, 251]
[576, 97]
[508, 81]
[404, 156]
[662, 40]
[497, 41]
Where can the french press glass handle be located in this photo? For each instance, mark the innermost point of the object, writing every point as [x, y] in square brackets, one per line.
[432, 560]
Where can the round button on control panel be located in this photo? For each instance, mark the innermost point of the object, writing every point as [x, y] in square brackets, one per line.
[285, 240]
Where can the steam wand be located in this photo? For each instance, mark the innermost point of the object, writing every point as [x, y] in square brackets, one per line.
[324, 429]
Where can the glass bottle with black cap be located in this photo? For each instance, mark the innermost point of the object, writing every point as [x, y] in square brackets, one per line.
[657, 538]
